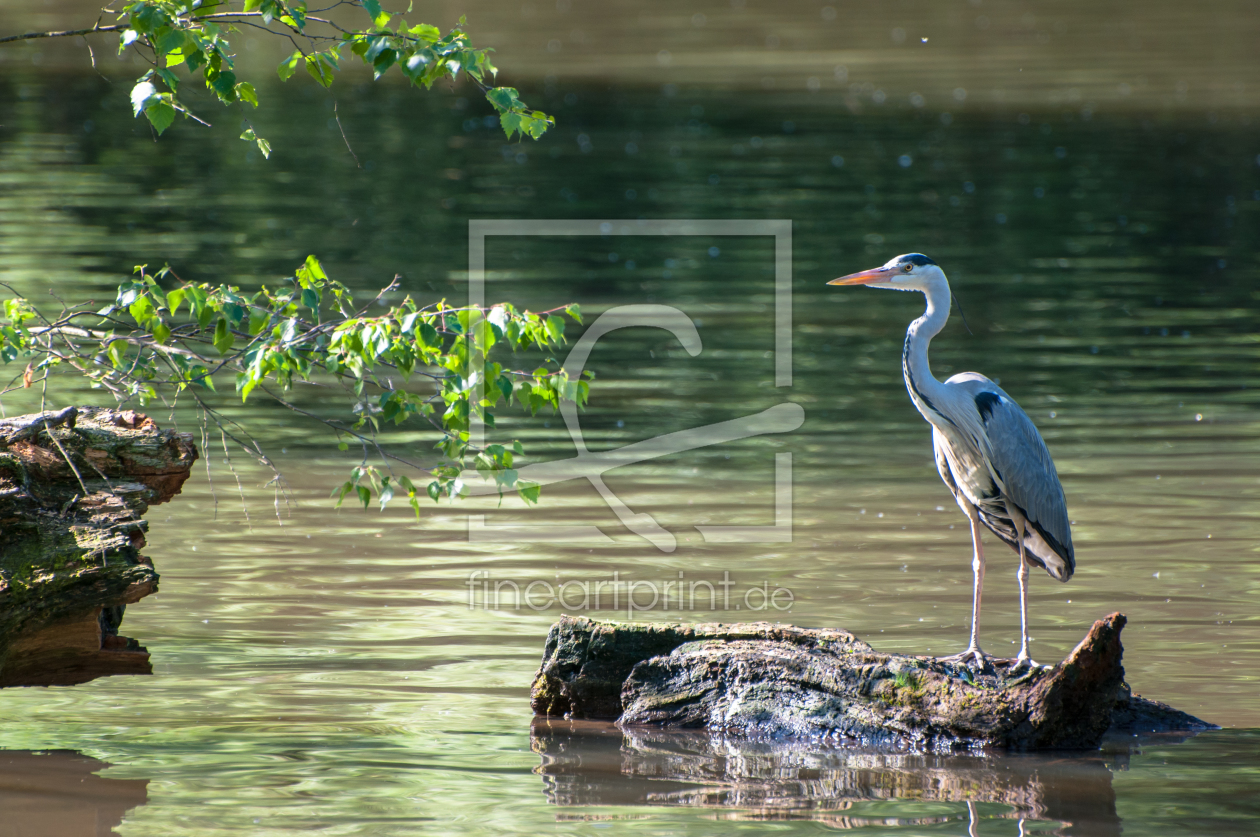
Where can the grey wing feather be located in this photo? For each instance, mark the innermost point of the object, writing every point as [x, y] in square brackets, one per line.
[1023, 468]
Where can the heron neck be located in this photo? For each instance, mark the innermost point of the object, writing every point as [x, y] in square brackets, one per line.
[924, 389]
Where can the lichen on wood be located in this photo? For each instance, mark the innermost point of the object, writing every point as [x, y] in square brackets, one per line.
[74, 485]
[776, 681]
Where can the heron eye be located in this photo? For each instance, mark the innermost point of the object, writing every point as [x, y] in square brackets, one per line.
[906, 268]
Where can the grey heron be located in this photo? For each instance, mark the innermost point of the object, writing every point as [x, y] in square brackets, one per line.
[988, 451]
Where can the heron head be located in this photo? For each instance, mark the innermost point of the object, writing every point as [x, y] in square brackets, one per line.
[907, 272]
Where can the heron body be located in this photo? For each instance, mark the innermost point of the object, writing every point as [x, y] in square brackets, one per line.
[988, 451]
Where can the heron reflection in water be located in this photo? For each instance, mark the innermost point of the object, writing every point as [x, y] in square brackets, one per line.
[988, 451]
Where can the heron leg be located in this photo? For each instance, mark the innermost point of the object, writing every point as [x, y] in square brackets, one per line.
[973, 652]
[1023, 659]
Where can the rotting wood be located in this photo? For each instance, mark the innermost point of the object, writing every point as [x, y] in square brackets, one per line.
[764, 680]
[74, 485]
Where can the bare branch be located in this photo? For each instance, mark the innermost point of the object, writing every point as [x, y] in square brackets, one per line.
[65, 33]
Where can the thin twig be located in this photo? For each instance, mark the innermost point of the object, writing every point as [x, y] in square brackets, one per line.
[205, 446]
[67, 33]
[66, 456]
[363, 439]
[240, 488]
[193, 116]
[343, 136]
[92, 56]
[115, 27]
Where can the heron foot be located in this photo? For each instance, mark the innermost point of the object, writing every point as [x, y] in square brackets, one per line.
[1024, 661]
[973, 658]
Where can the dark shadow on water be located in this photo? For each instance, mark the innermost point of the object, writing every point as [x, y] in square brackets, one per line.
[58, 793]
[597, 764]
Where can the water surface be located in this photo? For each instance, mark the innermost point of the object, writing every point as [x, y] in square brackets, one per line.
[329, 673]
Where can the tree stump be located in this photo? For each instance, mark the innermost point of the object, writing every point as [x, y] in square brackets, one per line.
[763, 680]
[74, 485]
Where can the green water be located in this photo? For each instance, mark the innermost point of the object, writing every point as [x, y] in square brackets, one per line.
[329, 674]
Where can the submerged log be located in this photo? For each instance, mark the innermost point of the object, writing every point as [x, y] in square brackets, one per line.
[73, 488]
[764, 680]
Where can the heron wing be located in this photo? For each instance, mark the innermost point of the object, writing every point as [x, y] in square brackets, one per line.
[1022, 468]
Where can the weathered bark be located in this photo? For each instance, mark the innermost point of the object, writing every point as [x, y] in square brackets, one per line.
[777, 681]
[73, 487]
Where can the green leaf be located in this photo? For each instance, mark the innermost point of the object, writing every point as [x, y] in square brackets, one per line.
[320, 69]
[223, 337]
[425, 32]
[161, 332]
[141, 310]
[224, 84]
[257, 321]
[173, 299]
[117, 351]
[297, 20]
[376, 46]
[341, 491]
[555, 328]
[505, 387]
[504, 98]
[310, 298]
[532, 124]
[383, 62]
[263, 145]
[373, 8]
[172, 41]
[289, 66]
[161, 115]
[365, 495]
[245, 91]
[172, 80]
[315, 269]
[574, 311]
[529, 491]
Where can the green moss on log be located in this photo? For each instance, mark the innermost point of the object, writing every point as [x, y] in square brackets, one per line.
[765, 680]
[73, 488]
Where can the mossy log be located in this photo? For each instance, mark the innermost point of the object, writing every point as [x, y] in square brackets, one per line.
[766, 680]
[73, 488]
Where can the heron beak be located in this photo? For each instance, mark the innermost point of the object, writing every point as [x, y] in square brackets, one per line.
[875, 274]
